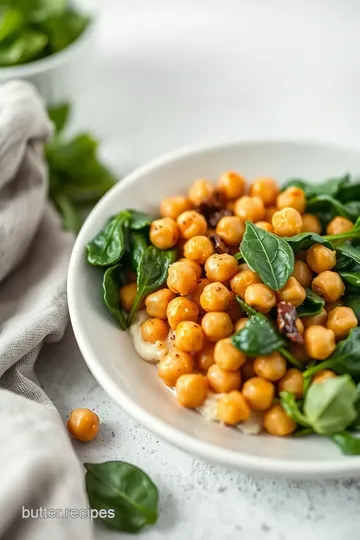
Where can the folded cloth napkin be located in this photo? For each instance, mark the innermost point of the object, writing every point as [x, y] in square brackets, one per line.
[38, 467]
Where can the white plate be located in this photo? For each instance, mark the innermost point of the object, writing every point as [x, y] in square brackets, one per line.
[132, 382]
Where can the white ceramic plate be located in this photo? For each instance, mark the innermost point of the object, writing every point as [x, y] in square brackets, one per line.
[132, 382]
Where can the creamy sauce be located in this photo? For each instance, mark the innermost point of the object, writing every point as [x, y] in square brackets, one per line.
[151, 352]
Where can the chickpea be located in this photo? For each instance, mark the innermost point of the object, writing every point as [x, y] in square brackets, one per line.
[189, 337]
[232, 408]
[83, 424]
[216, 325]
[302, 274]
[319, 342]
[191, 390]
[250, 208]
[215, 297]
[269, 212]
[230, 229]
[292, 381]
[260, 297]
[221, 380]
[341, 320]
[247, 370]
[299, 326]
[339, 225]
[232, 185]
[200, 191]
[239, 325]
[164, 233]
[127, 295]
[277, 422]
[323, 375]
[265, 188]
[181, 309]
[271, 367]
[328, 285]
[157, 302]
[220, 267]
[259, 393]
[242, 280]
[198, 249]
[242, 267]
[194, 265]
[287, 222]
[311, 223]
[292, 292]
[299, 352]
[205, 357]
[191, 223]
[265, 226]
[227, 356]
[319, 319]
[292, 197]
[196, 294]
[154, 330]
[233, 310]
[320, 258]
[181, 278]
[172, 207]
[173, 365]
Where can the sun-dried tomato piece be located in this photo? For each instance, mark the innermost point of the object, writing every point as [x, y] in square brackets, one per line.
[213, 209]
[286, 322]
[219, 244]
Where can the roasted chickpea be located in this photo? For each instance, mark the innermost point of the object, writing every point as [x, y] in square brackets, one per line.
[232, 185]
[221, 380]
[164, 233]
[181, 309]
[230, 229]
[197, 292]
[292, 381]
[232, 408]
[292, 292]
[319, 342]
[320, 258]
[311, 223]
[265, 226]
[247, 370]
[299, 326]
[157, 302]
[220, 267]
[299, 352]
[191, 390]
[216, 325]
[292, 197]
[181, 278]
[173, 365]
[83, 424]
[269, 212]
[302, 274]
[319, 319]
[328, 285]
[189, 337]
[198, 249]
[265, 188]
[323, 375]
[260, 297]
[271, 367]
[242, 280]
[277, 422]
[287, 222]
[250, 208]
[339, 225]
[240, 323]
[341, 320]
[227, 356]
[259, 393]
[127, 296]
[154, 330]
[172, 207]
[194, 265]
[205, 358]
[200, 191]
[215, 297]
[191, 223]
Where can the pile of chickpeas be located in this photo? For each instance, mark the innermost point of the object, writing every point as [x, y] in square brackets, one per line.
[198, 305]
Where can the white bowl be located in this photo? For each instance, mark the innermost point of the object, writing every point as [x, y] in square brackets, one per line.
[132, 382]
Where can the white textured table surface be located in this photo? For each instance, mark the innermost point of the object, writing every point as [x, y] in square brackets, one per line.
[174, 74]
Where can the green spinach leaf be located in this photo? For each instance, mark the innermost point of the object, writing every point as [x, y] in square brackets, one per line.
[351, 278]
[63, 29]
[348, 444]
[111, 285]
[11, 21]
[305, 240]
[312, 305]
[346, 255]
[139, 243]
[59, 115]
[140, 220]
[353, 301]
[329, 187]
[330, 207]
[109, 245]
[27, 46]
[349, 192]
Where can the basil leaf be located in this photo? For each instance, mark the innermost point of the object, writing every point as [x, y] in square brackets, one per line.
[138, 243]
[348, 444]
[111, 285]
[292, 409]
[125, 489]
[312, 305]
[11, 21]
[27, 46]
[140, 220]
[346, 255]
[305, 240]
[59, 115]
[352, 278]
[353, 302]
[109, 245]
[268, 255]
[329, 406]
[330, 207]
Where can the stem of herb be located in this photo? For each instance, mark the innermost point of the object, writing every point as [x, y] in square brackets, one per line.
[291, 359]
[314, 369]
[134, 307]
[343, 236]
[303, 432]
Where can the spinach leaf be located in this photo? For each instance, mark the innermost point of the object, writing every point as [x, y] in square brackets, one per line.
[27, 46]
[353, 302]
[329, 406]
[312, 305]
[111, 285]
[72, 219]
[330, 207]
[127, 490]
[140, 220]
[152, 272]
[349, 192]
[346, 255]
[305, 240]
[11, 21]
[348, 444]
[352, 278]
[109, 245]
[292, 408]
[63, 29]
[328, 187]
[59, 115]
[268, 255]
[355, 426]
[138, 244]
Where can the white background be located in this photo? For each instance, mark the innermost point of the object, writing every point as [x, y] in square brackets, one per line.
[172, 74]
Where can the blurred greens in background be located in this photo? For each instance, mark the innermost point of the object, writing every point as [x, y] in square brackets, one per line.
[34, 29]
